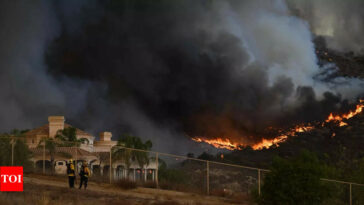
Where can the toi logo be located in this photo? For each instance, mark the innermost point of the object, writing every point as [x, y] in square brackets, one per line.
[11, 179]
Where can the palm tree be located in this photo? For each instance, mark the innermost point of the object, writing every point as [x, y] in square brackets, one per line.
[50, 145]
[127, 155]
[67, 137]
[64, 138]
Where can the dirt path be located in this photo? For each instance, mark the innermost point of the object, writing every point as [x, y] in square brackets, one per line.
[138, 195]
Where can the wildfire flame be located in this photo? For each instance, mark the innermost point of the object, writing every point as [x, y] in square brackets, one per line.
[219, 143]
[226, 143]
[266, 143]
[338, 118]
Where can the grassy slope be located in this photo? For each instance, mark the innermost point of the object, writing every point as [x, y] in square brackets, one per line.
[45, 190]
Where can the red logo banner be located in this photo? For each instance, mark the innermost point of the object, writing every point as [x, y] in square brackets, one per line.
[11, 179]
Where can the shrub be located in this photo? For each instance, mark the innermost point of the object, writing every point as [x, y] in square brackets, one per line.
[22, 155]
[358, 176]
[172, 175]
[295, 181]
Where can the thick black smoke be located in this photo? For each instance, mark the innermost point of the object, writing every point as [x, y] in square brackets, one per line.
[163, 69]
[340, 22]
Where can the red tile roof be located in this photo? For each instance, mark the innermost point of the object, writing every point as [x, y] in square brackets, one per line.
[44, 130]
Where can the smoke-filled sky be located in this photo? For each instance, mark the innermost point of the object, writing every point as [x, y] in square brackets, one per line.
[165, 70]
[341, 22]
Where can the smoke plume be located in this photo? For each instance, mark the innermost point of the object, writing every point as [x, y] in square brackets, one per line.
[340, 22]
[163, 70]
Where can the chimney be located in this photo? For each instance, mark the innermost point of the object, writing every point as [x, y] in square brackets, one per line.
[105, 136]
[55, 123]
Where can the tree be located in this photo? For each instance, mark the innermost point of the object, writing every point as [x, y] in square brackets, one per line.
[358, 177]
[21, 153]
[5, 150]
[190, 155]
[50, 145]
[130, 141]
[206, 156]
[68, 137]
[295, 181]
[171, 176]
[64, 138]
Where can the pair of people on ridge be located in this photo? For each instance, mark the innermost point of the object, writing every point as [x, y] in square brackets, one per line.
[84, 174]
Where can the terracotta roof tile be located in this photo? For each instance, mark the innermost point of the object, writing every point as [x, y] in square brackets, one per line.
[44, 130]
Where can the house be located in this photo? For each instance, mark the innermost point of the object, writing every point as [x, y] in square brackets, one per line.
[56, 123]
[95, 152]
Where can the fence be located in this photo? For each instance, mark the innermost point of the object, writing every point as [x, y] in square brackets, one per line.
[113, 164]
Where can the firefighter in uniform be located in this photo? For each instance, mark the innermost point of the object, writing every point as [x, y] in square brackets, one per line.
[84, 174]
[71, 173]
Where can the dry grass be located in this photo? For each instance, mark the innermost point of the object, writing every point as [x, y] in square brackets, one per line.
[148, 184]
[167, 203]
[233, 197]
[219, 193]
[181, 187]
[242, 197]
[46, 190]
[126, 184]
[49, 195]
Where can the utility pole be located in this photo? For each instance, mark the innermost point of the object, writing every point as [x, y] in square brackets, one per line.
[156, 171]
[76, 164]
[207, 178]
[351, 198]
[44, 156]
[110, 167]
[12, 152]
[259, 182]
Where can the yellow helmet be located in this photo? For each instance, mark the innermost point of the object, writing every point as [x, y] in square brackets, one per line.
[71, 161]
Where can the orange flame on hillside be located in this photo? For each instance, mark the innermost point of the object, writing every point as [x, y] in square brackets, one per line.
[226, 143]
[266, 143]
[340, 118]
[219, 143]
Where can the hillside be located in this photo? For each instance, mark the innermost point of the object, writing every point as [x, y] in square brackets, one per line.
[340, 147]
[349, 64]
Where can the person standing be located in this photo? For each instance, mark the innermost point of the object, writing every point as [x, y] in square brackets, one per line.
[84, 174]
[71, 173]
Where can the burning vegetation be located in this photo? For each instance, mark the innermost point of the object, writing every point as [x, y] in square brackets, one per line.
[282, 135]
